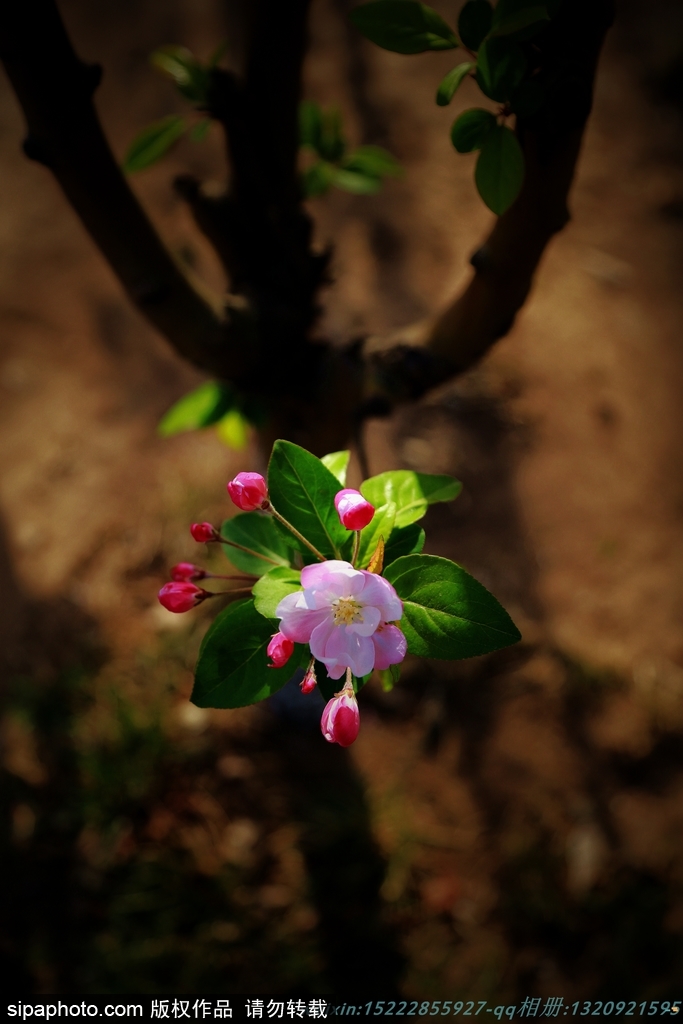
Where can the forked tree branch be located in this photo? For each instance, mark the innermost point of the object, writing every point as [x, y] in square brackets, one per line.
[315, 394]
[507, 261]
[55, 91]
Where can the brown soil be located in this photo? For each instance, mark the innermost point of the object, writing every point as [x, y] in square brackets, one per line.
[519, 817]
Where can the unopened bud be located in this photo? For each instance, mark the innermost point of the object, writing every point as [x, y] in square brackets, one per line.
[180, 597]
[340, 722]
[353, 510]
[186, 572]
[203, 533]
[248, 491]
[279, 650]
[309, 681]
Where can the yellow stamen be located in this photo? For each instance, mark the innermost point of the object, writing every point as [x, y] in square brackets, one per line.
[347, 610]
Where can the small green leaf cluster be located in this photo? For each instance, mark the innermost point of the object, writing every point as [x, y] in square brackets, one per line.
[191, 78]
[360, 171]
[501, 62]
[212, 404]
[447, 613]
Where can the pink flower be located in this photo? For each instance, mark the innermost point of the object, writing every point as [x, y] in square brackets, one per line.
[186, 572]
[341, 719]
[248, 491]
[279, 650]
[203, 533]
[180, 597]
[354, 511]
[344, 614]
[309, 681]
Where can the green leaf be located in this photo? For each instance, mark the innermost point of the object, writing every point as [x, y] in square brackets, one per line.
[310, 124]
[272, 587]
[446, 612]
[501, 66]
[302, 490]
[199, 132]
[519, 20]
[471, 128]
[403, 26]
[153, 142]
[404, 540]
[499, 173]
[202, 407]
[374, 161]
[318, 179]
[332, 144]
[381, 525]
[322, 130]
[257, 531]
[357, 183]
[412, 492]
[233, 430]
[183, 68]
[474, 23]
[452, 82]
[232, 670]
[522, 18]
[337, 463]
[389, 677]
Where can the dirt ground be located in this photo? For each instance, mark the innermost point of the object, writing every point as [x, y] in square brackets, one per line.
[504, 827]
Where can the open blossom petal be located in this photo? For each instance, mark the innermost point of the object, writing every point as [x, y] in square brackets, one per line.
[324, 573]
[339, 613]
[298, 620]
[380, 593]
[390, 646]
[339, 650]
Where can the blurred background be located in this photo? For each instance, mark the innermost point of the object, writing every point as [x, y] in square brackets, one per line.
[503, 827]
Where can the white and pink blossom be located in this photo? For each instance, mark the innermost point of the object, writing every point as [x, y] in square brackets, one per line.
[353, 510]
[341, 719]
[279, 650]
[180, 596]
[248, 491]
[346, 617]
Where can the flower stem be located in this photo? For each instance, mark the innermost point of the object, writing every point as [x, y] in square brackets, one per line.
[248, 551]
[348, 685]
[356, 548]
[292, 529]
[228, 593]
[217, 576]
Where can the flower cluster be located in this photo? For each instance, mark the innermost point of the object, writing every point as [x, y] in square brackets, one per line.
[347, 616]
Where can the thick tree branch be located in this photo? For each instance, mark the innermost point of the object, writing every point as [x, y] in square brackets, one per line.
[506, 263]
[315, 394]
[55, 91]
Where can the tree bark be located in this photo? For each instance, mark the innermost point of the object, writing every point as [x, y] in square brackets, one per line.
[260, 340]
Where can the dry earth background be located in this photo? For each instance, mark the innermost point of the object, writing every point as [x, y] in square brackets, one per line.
[504, 827]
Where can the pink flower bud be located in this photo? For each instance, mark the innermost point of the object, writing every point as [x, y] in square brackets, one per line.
[354, 511]
[279, 650]
[341, 719]
[180, 597]
[248, 491]
[203, 533]
[186, 572]
[309, 681]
